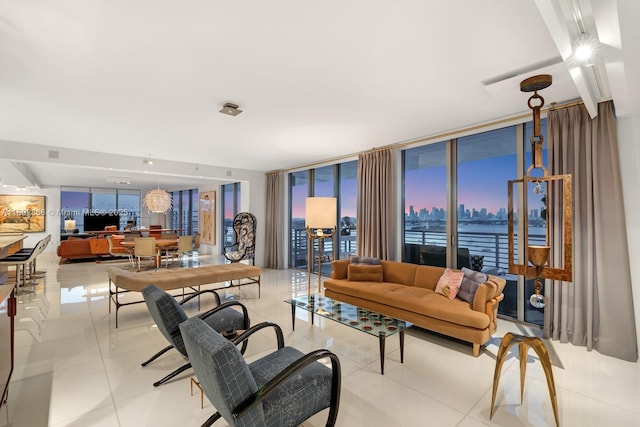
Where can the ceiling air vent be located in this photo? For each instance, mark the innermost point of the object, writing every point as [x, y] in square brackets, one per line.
[116, 180]
[53, 154]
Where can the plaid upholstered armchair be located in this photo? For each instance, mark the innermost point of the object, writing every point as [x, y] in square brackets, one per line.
[244, 225]
[283, 388]
[167, 313]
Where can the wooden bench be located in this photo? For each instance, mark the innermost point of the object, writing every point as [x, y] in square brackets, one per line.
[124, 281]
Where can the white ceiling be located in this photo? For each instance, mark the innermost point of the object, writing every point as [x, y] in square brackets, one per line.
[316, 80]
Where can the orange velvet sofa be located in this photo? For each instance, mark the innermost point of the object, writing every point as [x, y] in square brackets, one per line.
[407, 292]
[78, 248]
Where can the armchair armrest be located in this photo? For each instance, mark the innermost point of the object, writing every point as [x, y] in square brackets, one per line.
[291, 370]
[198, 293]
[227, 305]
[255, 328]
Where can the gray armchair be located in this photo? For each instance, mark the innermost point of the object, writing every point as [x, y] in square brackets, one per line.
[244, 225]
[168, 314]
[283, 388]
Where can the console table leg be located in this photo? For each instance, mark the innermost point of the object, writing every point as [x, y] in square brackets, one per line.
[293, 317]
[401, 346]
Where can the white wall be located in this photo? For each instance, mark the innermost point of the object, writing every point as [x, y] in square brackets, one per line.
[629, 140]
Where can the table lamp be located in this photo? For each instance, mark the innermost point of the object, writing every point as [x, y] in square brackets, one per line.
[321, 223]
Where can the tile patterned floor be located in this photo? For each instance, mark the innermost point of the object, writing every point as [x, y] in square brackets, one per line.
[73, 368]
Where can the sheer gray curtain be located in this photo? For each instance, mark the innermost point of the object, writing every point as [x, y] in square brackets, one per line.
[596, 310]
[273, 257]
[375, 228]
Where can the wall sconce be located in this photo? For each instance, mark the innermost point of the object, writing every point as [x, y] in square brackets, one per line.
[537, 263]
[321, 223]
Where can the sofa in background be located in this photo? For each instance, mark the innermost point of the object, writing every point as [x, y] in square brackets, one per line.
[79, 248]
[407, 292]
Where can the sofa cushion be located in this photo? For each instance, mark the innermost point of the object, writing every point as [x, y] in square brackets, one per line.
[399, 272]
[339, 268]
[470, 282]
[449, 283]
[427, 276]
[414, 299]
[364, 273]
[428, 303]
[364, 260]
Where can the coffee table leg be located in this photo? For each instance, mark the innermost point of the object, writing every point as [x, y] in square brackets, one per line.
[381, 337]
[293, 317]
[402, 346]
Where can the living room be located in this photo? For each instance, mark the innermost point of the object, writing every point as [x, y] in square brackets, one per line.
[49, 157]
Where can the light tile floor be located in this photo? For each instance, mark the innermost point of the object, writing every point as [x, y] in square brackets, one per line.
[74, 369]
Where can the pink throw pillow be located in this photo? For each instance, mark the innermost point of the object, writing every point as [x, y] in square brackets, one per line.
[449, 283]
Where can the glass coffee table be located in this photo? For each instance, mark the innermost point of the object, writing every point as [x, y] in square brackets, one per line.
[358, 318]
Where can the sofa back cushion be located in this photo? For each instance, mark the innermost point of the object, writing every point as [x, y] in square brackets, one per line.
[427, 276]
[364, 273]
[339, 269]
[399, 272]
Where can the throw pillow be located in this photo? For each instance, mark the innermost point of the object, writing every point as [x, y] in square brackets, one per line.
[477, 262]
[364, 273]
[449, 283]
[470, 282]
[364, 260]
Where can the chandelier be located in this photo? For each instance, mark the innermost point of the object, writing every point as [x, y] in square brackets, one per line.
[158, 201]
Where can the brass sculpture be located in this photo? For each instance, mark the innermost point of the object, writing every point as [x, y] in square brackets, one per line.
[536, 264]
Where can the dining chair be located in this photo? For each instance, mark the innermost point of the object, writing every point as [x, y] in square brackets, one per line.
[118, 251]
[145, 247]
[185, 245]
[282, 388]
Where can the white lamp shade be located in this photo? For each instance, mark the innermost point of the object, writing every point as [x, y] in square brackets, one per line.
[321, 212]
[69, 224]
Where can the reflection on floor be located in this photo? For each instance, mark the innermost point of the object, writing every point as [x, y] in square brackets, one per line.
[73, 368]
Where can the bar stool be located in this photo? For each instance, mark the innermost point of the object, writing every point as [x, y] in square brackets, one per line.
[33, 272]
[20, 261]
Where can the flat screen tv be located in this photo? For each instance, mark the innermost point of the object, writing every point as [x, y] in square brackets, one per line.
[97, 222]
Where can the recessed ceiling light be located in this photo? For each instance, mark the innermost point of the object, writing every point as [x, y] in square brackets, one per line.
[230, 109]
[147, 161]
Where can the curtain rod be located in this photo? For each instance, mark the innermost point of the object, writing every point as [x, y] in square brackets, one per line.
[442, 136]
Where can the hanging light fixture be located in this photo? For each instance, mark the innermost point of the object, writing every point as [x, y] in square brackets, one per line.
[535, 261]
[158, 201]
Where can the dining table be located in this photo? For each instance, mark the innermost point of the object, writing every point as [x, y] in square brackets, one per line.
[161, 244]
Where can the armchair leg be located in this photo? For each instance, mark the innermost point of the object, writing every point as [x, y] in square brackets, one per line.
[172, 374]
[158, 354]
[212, 419]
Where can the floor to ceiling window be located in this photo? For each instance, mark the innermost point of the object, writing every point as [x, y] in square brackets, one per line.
[298, 193]
[78, 202]
[348, 203]
[425, 204]
[340, 181]
[183, 215]
[230, 208]
[476, 170]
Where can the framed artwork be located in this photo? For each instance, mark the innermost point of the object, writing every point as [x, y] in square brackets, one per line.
[22, 213]
[207, 216]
